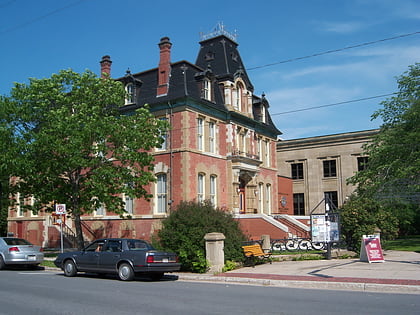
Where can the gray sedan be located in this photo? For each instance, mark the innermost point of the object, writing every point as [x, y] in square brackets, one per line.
[18, 251]
[121, 256]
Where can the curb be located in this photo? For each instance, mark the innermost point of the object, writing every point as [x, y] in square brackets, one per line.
[325, 285]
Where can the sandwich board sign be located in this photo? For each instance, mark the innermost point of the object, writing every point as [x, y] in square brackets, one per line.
[371, 250]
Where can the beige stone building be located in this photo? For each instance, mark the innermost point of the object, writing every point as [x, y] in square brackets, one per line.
[320, 167]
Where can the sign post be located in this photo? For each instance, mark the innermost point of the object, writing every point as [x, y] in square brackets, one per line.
[60, 209]
[371, 250]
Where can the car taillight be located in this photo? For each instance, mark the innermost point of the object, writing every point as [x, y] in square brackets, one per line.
[150, 259]
[13, 249]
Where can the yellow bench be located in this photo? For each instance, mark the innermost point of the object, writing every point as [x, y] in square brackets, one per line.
[252, 252]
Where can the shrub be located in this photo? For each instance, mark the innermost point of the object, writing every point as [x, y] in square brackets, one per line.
[184, 229]
[362, 216]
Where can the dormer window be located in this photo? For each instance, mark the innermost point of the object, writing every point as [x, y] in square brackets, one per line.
[129, 98]
[207, 89]
[263, 114]
[238, 96]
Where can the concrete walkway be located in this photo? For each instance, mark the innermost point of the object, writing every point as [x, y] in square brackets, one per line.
[400, 273]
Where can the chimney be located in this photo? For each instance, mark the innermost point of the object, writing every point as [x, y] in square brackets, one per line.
[164, 66]
[106, 66]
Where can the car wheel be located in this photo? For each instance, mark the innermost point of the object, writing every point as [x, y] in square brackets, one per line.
[2, 264]
[125, 272]
[156, 276]
[69, 268]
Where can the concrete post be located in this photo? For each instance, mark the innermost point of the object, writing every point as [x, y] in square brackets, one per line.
[215, 254]
[266, 244]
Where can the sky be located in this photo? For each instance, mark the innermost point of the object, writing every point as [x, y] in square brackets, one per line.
[352, 49]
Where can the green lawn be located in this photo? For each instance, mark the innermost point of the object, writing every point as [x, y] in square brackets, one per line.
[409, 243]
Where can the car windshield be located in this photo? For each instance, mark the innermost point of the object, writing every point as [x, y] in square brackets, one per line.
[138, 245]
[16, 241]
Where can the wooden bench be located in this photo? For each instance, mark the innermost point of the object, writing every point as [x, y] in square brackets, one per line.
[253, 252]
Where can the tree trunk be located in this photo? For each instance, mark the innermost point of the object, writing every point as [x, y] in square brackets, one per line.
[79, 232]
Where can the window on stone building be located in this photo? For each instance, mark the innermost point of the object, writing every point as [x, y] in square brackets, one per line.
[299, 204]
[161, 193]
[362, 162]
[297, 170]
[330, 168]
[200, 188]
[331, 200]
[200, 134]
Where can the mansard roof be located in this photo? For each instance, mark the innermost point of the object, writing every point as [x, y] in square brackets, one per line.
[184, 85]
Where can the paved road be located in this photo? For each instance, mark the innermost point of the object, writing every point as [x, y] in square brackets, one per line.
[49, 292]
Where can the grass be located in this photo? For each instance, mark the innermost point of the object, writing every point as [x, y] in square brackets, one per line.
[408, 243]
[48, 263]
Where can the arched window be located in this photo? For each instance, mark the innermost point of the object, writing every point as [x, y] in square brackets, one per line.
[129, 98]
[200, 188]
[238, 96]
[213, 190]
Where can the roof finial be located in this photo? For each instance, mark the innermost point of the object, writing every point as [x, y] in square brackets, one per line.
[218, 30]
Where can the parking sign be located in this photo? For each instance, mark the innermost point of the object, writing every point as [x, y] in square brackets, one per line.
[60, 209]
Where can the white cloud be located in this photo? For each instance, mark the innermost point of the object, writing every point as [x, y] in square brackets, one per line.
[342, 27]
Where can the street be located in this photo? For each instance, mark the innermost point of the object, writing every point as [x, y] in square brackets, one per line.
[49, 292]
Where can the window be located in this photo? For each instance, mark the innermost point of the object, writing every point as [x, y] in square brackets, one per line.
[259, 144]
[200, 188]
[268, 199]
[263, 114]
[260, 196]
[100, 211]
[267, 153]
[161, 193]
[238, 96]
[297, 170]
[213, 190]
[20, 205]
[330, 168]
[164, 136]
[128, 204]
[200, 133]
[212, 140]
[207, 89]
[299, 204]
[331, 200]
[362, 163]
[129, 98]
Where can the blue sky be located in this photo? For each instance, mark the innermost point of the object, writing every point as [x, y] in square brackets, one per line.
[41, 37]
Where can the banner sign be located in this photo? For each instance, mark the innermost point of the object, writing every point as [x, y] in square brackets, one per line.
[371, 250]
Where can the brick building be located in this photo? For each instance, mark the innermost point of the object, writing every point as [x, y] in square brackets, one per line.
[221, 147]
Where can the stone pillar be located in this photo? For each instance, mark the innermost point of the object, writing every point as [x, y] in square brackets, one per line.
[266, 244]
[215, 254]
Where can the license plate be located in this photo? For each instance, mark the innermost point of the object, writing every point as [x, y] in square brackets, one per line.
[31, 257]
[165, 260]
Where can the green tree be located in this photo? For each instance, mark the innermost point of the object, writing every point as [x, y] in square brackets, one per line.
[184, 230]
[72, 144]
[392, 177]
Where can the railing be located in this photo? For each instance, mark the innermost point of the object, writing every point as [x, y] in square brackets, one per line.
[238, 153]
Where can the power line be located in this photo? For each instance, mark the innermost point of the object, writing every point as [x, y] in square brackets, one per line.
[14, 28]
[333, 104]
[333, 51]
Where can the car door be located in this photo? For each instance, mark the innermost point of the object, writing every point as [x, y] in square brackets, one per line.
[89, 257]
[110, 255]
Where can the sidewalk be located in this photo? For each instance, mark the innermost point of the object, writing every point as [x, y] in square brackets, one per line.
[400, 273]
